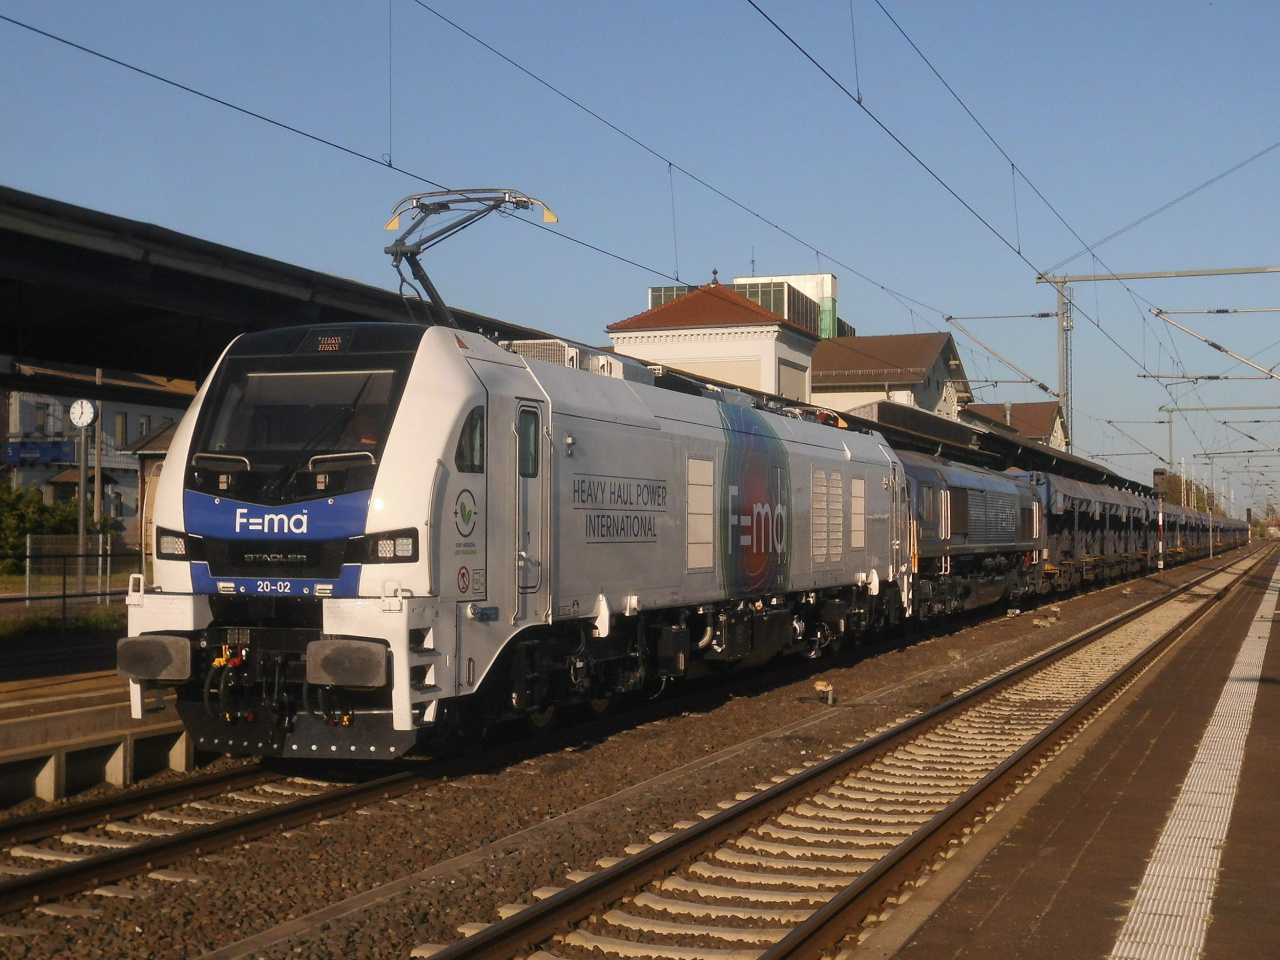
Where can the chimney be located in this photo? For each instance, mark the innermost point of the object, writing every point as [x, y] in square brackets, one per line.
[1008, 414]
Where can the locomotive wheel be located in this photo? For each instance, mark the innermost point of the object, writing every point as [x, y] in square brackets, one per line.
[540, 721]
[599, 706]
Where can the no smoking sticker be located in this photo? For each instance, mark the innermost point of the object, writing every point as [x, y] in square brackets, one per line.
[464, 579]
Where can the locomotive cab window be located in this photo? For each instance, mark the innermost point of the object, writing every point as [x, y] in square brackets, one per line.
[926, 502]
[469, 457]
[527, 433]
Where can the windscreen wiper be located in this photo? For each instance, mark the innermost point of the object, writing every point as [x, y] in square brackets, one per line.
[345, 413]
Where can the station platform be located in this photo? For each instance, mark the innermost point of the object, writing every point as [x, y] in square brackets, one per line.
[1152, 836]
[62, 734]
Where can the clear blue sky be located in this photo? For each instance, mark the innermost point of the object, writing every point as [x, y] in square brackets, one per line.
[1109, 109]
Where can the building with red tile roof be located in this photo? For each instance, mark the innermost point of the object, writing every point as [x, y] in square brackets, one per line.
[918, 369]
[715, 332]
[1042, 421]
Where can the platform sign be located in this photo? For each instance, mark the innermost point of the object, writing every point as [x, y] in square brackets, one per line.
[40, 451]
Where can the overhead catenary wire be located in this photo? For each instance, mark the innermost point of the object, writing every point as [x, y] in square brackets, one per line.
[898, 296]
[386, 162]
[221, 102]
[332, 144]
[1005, 361]
[853, 31]
[391, 34]
[667, 160]
[1087, 247]
[1092, 319]
[1224, 310]
[940, 181]
[1216, 346]
[1162, 208]
[1139, 443]
[383, 163]
[1096, 320]
[675, 238]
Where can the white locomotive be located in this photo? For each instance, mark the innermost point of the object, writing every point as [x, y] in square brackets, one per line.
[365, 533]
[368, 534]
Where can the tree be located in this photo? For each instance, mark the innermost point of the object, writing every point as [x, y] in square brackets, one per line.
[24, 512]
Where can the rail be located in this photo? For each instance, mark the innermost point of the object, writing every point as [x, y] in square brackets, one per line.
[523, 932]
[115, 864]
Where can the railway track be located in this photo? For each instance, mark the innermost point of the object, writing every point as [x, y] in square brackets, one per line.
[65, 850]
[48, 854]
[142, 831]
[808, 865]
[140, 800]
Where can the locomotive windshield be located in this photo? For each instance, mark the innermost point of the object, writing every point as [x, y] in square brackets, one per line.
[272, 417]
[279, 428]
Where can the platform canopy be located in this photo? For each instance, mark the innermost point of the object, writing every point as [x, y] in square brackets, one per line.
[82, 287]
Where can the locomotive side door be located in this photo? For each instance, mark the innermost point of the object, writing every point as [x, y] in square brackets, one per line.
[530, 508]
[898, 514]
[898, 523]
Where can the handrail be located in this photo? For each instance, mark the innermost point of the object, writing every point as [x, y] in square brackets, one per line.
[311, 464]
[221, 456]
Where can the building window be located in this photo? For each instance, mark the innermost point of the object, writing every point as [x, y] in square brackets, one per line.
[122, 430]
[660, 295]
[793, 381]
[144, 426]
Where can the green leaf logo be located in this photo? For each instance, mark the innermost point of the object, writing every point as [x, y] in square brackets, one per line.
[464, 513]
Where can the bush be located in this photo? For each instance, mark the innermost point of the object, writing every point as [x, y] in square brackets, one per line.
[24, 512]
[113, 618]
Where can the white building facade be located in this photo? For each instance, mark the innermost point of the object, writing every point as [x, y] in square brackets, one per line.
[717, 333]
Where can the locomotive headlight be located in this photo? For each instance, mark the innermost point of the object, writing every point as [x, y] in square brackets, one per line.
[173, 545]
[394, 546]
